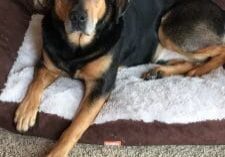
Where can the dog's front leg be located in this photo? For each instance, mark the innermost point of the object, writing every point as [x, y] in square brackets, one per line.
[92, 103]
[99, 77]
[26, 113]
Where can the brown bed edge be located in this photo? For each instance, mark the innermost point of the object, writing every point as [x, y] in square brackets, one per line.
[128, 132]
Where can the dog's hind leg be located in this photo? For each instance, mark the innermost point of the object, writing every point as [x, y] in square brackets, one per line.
[203, 61]
[99, 77]
[202, 46]
[173, 67]
[199, 39]
[88, 111]
[216, 59]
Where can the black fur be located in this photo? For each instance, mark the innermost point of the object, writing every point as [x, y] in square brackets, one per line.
[71, 57]
[132, 39]
[139, 37]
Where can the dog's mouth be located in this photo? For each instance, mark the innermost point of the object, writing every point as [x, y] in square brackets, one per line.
[80, 34]
[80, 38]
[87, 28]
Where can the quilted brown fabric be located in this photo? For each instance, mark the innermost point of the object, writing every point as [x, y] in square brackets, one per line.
[14, 20]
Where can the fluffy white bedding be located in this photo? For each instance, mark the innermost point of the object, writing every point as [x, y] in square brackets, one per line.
[171, 100]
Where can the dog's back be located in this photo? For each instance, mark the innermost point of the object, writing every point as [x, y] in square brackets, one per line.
[140, 39]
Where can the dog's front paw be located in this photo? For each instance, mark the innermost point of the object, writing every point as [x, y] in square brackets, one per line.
[57, 153]
[154, 73]
[25, 116]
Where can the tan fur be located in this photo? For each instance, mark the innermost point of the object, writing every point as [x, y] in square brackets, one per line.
[204, 54]
[26, 113]
[96, 10]
[175, 68]
[50, 65]
[214, 54]
[62, 9]
[95, 69]
[89, 108]
[217, 55]
[197, 64]
[80, 39]
[84, 118]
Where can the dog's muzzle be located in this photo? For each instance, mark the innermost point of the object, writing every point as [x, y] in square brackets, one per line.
[78, 20]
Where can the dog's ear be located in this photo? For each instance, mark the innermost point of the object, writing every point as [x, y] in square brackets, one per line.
[121, 7]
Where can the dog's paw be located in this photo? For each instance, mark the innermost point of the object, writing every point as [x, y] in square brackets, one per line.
[57, 153]
[154, 73]
[171, 62]
[25, 116]
[162, 62]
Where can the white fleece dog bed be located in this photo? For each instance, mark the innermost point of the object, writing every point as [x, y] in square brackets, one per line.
[170, 100]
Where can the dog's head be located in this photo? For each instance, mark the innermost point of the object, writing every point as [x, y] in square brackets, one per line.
[82, 16]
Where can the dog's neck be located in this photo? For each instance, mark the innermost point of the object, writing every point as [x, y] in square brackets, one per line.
[70, 58]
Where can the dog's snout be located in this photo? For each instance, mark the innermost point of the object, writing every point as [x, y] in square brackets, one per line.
[78, 17]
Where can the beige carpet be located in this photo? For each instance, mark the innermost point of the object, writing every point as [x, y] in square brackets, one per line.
[12, 145]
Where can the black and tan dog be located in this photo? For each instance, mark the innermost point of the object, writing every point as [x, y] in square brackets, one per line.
[90, 39]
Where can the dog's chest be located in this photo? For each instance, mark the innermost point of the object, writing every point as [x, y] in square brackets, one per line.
[91, 70]
[94, 69]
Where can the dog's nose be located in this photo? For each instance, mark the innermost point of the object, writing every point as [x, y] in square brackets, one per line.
[78, 17]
